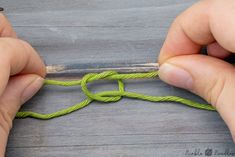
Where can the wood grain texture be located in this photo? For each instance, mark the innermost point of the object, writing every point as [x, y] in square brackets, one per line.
[107, 31]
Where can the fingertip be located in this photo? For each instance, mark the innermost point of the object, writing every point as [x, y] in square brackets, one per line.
[32, 88]
[185, 36]
[175, 76]
[35, 63]
[177, 42]
[215, 50]
[6, 29]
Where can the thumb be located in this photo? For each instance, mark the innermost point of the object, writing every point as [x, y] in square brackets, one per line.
[19, 89]
[208, 77]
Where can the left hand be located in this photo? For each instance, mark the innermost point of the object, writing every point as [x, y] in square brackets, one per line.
[22, 73]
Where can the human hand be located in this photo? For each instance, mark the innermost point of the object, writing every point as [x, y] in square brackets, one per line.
[211, 23]
[22, 73]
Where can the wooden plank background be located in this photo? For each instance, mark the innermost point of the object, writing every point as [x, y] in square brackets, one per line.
[107, 31]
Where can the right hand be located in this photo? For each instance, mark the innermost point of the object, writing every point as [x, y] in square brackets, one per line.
[211, 23]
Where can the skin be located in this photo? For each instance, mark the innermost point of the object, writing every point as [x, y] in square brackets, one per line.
[210, 23]
[22, 72]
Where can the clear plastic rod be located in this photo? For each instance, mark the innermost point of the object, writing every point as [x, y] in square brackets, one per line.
[82, 69]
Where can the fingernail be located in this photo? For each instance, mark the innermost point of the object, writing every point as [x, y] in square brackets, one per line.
[175, 76]
[32, 89]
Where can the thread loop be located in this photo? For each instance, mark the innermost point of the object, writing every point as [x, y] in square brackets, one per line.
[98, 96]
[109, 96]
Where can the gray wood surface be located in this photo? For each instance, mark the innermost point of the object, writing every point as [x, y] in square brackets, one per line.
[110, 31]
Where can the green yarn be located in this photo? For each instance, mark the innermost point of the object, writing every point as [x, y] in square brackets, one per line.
[109, 96]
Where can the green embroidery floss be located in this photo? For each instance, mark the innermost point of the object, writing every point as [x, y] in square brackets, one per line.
[109, 96]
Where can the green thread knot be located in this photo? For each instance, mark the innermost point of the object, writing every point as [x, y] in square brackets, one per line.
[109, 96]
[103, 97]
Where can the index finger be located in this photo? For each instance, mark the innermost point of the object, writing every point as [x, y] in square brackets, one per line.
[18, 57]
[205, 22]
[6, 30]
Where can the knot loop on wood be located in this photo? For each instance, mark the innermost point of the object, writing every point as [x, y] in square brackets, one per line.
[109, 96]
[106, 96]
